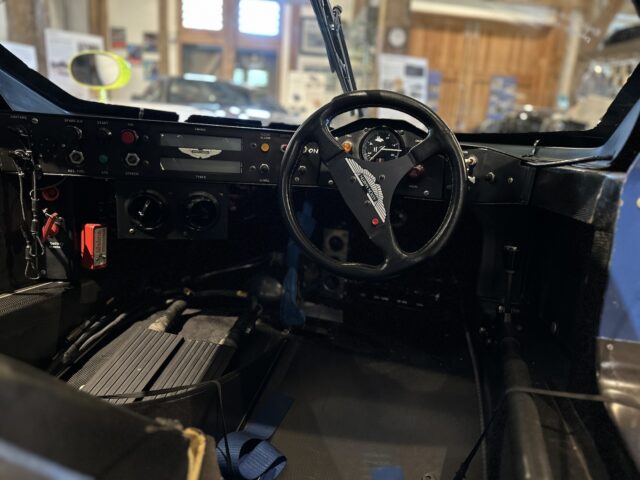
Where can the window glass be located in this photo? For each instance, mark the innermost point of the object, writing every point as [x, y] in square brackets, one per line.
[202, 14]
[482, 65]
[259, 17]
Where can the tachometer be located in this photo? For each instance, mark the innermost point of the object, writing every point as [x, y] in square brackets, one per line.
[380, 145]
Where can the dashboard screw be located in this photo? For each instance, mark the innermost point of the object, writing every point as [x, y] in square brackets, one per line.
[352, 179]
[132, 231]
[296, 179]
[367, 203]
[381, 178]
[330, 182]
[34, 121]
[426, 193]
[510, 180]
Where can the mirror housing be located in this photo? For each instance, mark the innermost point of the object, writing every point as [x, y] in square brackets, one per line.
[100, 70]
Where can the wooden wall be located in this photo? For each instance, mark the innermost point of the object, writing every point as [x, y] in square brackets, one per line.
[469, 52]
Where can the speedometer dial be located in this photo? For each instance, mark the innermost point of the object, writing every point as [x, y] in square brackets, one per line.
[380, 145]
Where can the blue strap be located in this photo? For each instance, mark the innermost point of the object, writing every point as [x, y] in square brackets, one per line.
[269, 416]
[290, 314]
[252, 457]
[389, 472]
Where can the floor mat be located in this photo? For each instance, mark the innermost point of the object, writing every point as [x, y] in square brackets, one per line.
[354, 413]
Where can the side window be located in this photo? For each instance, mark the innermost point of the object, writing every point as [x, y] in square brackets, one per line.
[229, 96]
[153, 93]
[187, 92]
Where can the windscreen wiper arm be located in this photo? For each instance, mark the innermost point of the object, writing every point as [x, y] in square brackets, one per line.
[331, 27]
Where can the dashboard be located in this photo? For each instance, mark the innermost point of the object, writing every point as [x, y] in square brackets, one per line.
[125, 149]
[163, 170]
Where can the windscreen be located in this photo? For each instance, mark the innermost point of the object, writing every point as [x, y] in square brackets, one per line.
[483, 66]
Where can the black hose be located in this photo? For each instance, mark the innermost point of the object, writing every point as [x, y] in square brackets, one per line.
[101, 333]
[94, 333]
[166, 320]
[525, 426]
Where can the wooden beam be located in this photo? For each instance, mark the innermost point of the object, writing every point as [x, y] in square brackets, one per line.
[393, 14]
[163, 37]
[28, 21]
[230, 31]
[99, 20]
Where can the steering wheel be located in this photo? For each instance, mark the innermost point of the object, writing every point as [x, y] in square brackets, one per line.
[367, 188]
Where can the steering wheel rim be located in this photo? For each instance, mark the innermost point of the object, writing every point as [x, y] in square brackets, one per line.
[367, 188]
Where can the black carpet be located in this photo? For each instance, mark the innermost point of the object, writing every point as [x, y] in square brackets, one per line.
[356, 412]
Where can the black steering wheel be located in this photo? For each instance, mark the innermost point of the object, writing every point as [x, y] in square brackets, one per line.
[367, 188]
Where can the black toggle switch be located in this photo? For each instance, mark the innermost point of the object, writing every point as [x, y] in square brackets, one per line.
[511, 257]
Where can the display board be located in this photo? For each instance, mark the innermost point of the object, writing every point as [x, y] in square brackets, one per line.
[60, 47]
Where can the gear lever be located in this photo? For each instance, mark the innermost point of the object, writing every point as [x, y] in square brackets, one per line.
[511, 260]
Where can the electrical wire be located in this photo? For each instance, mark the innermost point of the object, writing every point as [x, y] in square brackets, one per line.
[21, 191]
[53, 185]
[548, 162]
[541, 161]
[253, 263]
[34, 248]
[102, 332]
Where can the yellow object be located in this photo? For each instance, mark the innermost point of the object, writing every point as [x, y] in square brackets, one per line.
[265, 147]
[347, 147]
[197, 443]
[123, 77]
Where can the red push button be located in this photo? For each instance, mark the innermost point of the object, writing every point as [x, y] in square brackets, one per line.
[128, 137]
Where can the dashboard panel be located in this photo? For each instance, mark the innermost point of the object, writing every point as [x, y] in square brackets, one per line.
[152, 150]
[145, 151]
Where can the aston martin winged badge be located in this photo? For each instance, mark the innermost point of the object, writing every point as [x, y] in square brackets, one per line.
[202, 153]
[367, 181]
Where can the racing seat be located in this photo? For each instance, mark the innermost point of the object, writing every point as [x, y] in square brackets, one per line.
[50, 430]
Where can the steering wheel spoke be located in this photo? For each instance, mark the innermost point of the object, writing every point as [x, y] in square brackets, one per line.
[368, 199]
[385, 240]
[427, 148]
[327, 145]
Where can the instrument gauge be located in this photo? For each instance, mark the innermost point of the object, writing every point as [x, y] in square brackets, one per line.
[380, 145]
[201, 212]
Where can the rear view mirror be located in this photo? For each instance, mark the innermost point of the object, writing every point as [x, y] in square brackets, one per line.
[100, 70]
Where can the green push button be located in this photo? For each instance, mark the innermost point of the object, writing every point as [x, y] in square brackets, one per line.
[103, 159]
